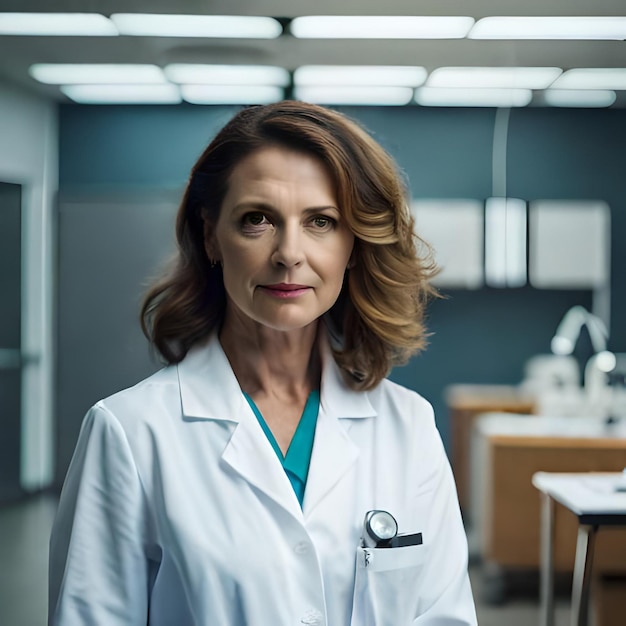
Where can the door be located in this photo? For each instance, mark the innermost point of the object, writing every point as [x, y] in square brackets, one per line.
[10, 332]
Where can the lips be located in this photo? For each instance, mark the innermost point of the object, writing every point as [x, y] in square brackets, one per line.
[285, 290]
[286, 287]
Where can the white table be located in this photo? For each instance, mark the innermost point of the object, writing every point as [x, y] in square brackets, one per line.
[596, 499]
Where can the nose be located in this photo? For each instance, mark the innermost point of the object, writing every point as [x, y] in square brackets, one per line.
[288, 251]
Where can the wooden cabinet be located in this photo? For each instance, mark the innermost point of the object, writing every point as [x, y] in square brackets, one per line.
[465, 404]
[609, 600]
[511, 515]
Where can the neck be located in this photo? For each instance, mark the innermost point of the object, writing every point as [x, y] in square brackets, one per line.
[268, 362]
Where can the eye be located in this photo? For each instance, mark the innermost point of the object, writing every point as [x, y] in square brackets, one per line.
[254, 223]
[254, 219]
[323, 222]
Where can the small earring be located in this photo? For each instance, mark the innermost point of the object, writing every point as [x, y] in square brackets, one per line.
[213, 263]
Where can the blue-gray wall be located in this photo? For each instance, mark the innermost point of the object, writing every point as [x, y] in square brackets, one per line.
[482, 336]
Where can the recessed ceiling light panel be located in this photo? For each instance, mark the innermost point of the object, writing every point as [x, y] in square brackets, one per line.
[540, 27]
[582, 98]
[220, 26]
[90, 73]
[380, 27]
[592, 78]
[122, 94]
[57, 24]
[442, 96]
[361, 75]
[231, 94]
[200, 74]
[494, 77]
[373, 96]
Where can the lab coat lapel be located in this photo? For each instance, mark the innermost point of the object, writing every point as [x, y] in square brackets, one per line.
[251, 455]
[334, 453]
[210, 391]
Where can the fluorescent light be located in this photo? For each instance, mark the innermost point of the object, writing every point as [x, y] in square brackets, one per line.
[380, 75]
[494, 77]
[231, 94]
[89, 73]
[122, 94]
[56, 24]
[579, 97]
[199, 74]
[443, 96]
[384, 96]
[592, 78]
[505, 242]
[380, 27]
[221, 26]
[562, 27]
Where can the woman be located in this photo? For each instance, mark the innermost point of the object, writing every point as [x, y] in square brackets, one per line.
[231, 487]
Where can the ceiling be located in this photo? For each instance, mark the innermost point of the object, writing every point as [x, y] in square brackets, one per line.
[17, 53]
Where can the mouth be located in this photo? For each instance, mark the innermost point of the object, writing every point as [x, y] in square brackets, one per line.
[285, 290]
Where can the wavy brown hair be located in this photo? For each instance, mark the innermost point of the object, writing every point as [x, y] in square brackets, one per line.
[379, 314]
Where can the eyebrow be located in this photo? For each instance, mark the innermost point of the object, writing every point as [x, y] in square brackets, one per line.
[264, 206]
[325, 207]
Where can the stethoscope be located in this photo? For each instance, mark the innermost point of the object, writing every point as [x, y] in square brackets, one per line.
[380, 530]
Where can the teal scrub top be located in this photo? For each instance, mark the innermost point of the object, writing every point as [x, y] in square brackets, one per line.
[298, 458]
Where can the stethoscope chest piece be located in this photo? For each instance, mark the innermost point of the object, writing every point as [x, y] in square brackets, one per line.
[379, 528]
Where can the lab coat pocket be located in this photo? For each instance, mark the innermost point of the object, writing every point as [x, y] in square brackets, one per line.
[386, 588]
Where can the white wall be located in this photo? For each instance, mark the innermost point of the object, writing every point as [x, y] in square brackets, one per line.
[29, 156]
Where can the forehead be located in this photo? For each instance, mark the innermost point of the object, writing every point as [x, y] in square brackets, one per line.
[275, 164]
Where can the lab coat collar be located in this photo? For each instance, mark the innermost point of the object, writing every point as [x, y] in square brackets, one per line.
[336, 398]
[210, 390]
[208, 386]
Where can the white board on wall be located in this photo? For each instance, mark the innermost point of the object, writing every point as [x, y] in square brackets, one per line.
[455, 229]
[569, 244]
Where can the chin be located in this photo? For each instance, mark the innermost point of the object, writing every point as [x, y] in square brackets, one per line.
[285, 328]
[286, 325]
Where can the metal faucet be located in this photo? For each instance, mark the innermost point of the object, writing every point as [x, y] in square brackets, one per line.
[602, 362]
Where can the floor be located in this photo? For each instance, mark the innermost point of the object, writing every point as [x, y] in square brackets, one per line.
[24, 531]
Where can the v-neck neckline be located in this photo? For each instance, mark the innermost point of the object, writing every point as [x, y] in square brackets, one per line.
[297, 460]
[302, 437]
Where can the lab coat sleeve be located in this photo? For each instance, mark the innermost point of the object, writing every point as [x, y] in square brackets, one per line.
[448, 600]
[98, 569]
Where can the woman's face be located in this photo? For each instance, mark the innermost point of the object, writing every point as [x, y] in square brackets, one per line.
[281, 239]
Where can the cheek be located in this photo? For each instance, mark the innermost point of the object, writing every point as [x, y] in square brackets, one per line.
[344, 251]
[335, 266]
[241, 260]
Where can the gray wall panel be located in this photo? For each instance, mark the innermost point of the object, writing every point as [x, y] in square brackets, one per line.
[107, 251]
[10, 338]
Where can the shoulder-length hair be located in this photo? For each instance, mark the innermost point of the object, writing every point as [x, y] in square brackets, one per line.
[379, 314]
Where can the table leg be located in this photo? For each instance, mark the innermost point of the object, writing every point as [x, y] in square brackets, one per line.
[582, 574]
[547, 561]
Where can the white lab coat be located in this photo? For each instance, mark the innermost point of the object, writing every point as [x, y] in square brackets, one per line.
[176, 511]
